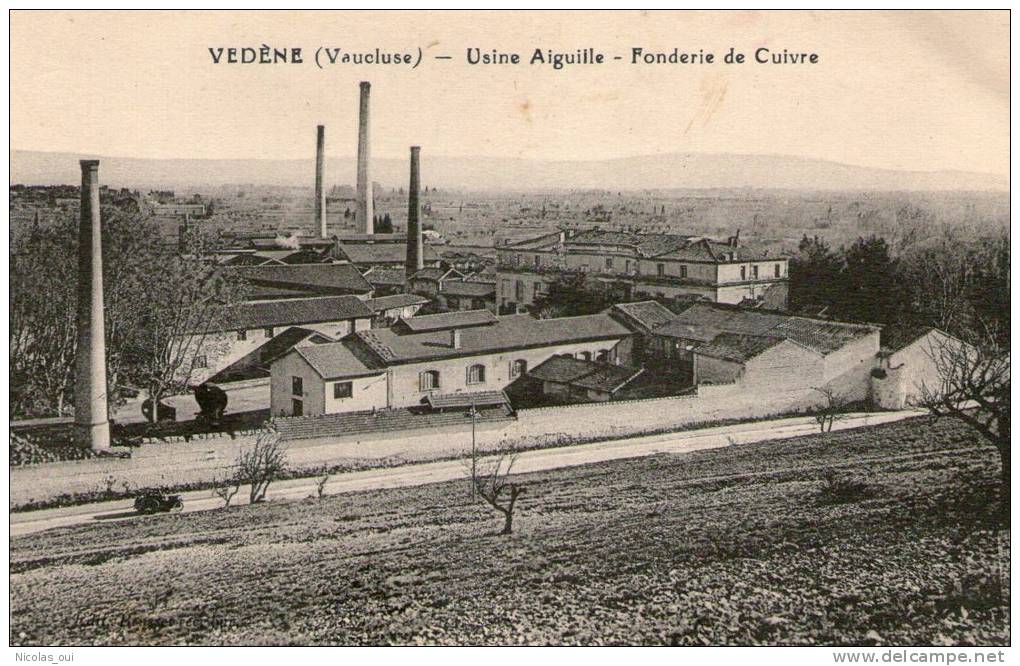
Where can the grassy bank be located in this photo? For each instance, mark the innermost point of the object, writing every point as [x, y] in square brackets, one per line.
[736, 545]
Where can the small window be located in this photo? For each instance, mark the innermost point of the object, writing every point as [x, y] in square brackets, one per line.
[242, 335]
[683, 271]
[519, 291]
[297, 386]
[779, 270]
[476, 374]
[201, 362]
[268, 331]
[754, 272]
[518, 368]
[609, 262]
[538, 261]
[743, 272]
[342, 390]
[660, 269]
[429, 380]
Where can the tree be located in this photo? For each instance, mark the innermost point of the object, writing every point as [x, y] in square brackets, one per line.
[493, 485]
[261, 464]
[814, 275]
[870, 289]
[829, 411]
[569, 295]
[973, 387]
[383, 224]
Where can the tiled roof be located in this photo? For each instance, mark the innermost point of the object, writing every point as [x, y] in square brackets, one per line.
[649, 314]
[435, 273]
[383, 253]
[537, 243]
[255, 364]
[594, 375]
[319, 277]
[477, 399]
[474, 289]
[738, 347]
[448, 320]
[647, 245]
[372, 238]
[507, 333]
[704, 321]
[262, 314]
[381, 303]
[386, 276]
[338, 360]
[275, 244]
[895, 338]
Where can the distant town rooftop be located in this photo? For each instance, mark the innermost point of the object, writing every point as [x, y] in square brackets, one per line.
[295, 311]
[652, 245]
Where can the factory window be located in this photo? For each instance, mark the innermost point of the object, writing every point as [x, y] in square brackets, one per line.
[429, 380]
[476, 374]
[754, 272]
[342, 390]
[519, 291]
[268, 330]
[297, 386]
[538, 261]
[660, 269]
[609, 262]
[743, 272]
[242, 335]
[683, 271]
[518, 368]
[779, 270]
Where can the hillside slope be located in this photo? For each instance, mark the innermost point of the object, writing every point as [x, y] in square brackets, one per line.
[738, 545]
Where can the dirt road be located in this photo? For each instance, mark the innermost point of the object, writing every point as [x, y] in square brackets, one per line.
[447, 470]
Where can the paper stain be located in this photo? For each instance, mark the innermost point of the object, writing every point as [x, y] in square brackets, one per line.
[525, 109]
[712, 90]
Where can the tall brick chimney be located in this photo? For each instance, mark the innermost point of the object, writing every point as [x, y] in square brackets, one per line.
[320, 172]
[92, 426]
[365, 212]
[415, 253]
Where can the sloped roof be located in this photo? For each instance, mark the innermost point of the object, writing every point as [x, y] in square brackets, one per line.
[338, 360]
[383, 253]
[255, 364]
[381, 303]
[536, 243]
[649, 314]
[703, 321]
[372, 238]
[386, 276]
[647, 245]
[594, 375]
[506, 333]
[435, 273]
[320, 277]
[448, 320]
[477, 399]
[262, 314]
[895, 338]
[737, 346]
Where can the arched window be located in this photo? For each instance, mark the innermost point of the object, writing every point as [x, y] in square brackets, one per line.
[476, 374]
[429, 380]
[518, 368]
[584, 356]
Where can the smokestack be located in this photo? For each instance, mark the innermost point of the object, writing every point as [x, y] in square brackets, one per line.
[320, 169]
[415, 254]
[92, 428]
[364, 212]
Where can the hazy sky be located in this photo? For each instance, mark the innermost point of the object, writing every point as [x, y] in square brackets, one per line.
[908, 90]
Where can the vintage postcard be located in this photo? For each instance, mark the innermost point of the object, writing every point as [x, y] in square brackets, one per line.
[505, 328]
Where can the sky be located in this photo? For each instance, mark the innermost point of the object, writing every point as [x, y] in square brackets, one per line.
[902, 90]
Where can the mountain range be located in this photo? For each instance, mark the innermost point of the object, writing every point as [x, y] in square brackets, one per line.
[665, 171]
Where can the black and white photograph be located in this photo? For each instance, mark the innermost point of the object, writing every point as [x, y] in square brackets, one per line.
[510, 328]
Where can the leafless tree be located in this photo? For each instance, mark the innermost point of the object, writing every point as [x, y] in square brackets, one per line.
[262, 463]
[973, 387]
[320, 483]
[492, 484]
[830, 410]
[226, 488]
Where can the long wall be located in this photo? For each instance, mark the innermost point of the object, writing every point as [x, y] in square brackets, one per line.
[203, 460]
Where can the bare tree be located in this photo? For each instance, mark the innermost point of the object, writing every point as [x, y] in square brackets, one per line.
[226, 488]
[830, 410]
[262, 463]
[492, 483]
[320, 483]
[973, 387]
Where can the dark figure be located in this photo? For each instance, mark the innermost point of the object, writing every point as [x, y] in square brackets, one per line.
[164, 412]
[212, 401]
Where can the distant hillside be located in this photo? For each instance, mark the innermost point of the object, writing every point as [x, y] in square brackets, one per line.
[486, 173]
